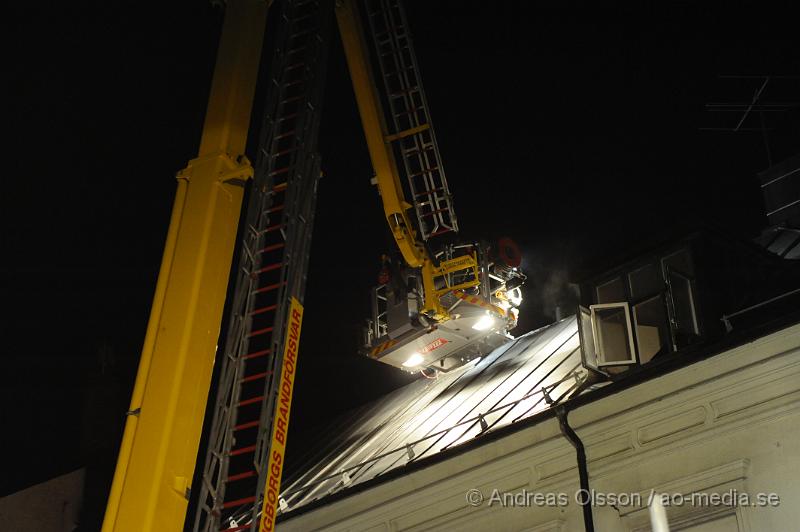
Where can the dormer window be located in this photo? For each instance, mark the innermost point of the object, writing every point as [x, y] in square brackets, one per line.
[639, 313]
[607, 328]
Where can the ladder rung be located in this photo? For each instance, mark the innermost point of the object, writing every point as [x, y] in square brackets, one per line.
[287, 117]
[407, 132]
[284, 152]
[403, 92]
[303, 17]
[248, 425]
[259, 332]
[284, 135]
[275, 209]
[272, 247]
[394, 51]
[293, 82]
[250, 402]
[398, 71]
[425, 171]
[301, 33]
[269, 268]
[409, 111]
[441, 231]
[268, 288]
[291, 99]
[272, 228]
[279, 171]
[419, 150]
[388, 32]
[298, 49]
[256, 354]
[239, 502]
[431, 213]
[243, 450]
[426, 192]
[262, 310]
[255, 377]
[240, 476]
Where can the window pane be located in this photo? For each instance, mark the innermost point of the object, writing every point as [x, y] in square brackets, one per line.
[679, 261]
[587, 338]
[612, 335]
[683, 301]
[645, 281]
[650, 320]
[611, 291]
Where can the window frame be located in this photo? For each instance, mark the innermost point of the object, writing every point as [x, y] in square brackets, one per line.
[635, 299]
[673, 314]
[599, 354]
[584, 312]
[623, 284]
[662, 296]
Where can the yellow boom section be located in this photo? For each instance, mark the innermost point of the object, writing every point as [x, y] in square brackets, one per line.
[369, 107]
[387, 176]
[162, 431]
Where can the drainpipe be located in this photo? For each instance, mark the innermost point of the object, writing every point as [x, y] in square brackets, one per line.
[583, 470]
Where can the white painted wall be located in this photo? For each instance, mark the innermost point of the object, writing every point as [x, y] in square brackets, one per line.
[731, 422]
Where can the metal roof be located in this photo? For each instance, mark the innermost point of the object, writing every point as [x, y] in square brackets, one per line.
[427, 416]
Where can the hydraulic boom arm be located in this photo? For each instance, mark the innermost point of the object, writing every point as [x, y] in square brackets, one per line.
[445, 312]
[432, 203]
[395, 205]
[162, 432]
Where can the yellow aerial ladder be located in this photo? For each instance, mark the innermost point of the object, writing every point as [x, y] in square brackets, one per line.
[464, 284]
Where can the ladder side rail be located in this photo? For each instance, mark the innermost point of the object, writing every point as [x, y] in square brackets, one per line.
[424, 141]
[258, 217]
[301, 237]
[298, 225]
[407, 106]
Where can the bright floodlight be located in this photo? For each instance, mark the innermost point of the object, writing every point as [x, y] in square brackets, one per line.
[484, 323]
[414, 360]
[515, 296]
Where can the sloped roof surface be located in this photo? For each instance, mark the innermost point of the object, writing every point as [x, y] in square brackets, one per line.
[430, 415]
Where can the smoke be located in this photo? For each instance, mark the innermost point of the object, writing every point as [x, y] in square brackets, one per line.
[557, 291]
[548, 286]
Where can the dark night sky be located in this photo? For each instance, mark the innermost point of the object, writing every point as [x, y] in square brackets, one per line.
[573, 131]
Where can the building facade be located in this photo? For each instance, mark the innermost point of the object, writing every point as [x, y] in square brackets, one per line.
[725, 428]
